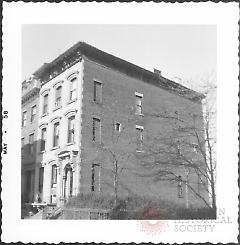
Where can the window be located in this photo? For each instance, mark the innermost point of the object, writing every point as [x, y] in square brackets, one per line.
[54, 175]
[139, 99]
[43, 139]
[45, 103]
[33, 113]
[58, 98]
[41, 173]
[97, 92]
[56, 134]
[24, 119]
[22, 146]
[139, 130]
[71, 124]
[96, 130]
[117, 127]
[31, 143]
[73, 89]
[95, 187]
[180, 187]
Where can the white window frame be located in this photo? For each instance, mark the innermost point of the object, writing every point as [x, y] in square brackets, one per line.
[115, 127]
[139, 95]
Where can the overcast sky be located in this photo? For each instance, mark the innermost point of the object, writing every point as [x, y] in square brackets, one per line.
[185, 51]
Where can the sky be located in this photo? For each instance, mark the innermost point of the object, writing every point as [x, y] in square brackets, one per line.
[188, 52]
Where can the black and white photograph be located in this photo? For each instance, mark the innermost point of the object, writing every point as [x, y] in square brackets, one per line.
[120, 122]
[103, 138]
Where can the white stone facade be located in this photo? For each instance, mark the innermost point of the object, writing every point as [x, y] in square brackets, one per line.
[60, 163]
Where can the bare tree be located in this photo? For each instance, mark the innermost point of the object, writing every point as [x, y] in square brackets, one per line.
[186, 145]
[116, 152]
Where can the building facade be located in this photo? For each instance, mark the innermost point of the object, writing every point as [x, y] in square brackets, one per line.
[30, 103]
[95, 122]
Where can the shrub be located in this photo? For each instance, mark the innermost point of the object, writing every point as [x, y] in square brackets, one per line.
[91, 201]
[141, 208]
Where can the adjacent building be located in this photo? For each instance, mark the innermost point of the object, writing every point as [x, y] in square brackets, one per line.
[29, 124]
[94, 119]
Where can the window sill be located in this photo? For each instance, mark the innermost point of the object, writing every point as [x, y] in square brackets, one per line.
[71, 101]
[70, 143]
[41, 152]
[54, 148]
[139, 151]
[56, 108]
[45, 114]
[139, 114]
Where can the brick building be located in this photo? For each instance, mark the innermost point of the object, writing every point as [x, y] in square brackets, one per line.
[30, 100]
[95, 121]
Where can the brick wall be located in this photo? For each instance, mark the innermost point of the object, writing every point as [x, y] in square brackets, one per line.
[118, 105]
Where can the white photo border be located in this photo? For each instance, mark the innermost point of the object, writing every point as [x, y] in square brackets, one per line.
[224, 15]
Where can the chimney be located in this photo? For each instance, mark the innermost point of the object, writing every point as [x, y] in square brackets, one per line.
[158, 72]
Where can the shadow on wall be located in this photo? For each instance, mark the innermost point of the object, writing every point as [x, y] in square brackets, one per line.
[30, 158]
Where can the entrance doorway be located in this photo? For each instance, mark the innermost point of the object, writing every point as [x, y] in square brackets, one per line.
[67, 181]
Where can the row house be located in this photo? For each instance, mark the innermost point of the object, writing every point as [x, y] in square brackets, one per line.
[95, 116]
[29, 124]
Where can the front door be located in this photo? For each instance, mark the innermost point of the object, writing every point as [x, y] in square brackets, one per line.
[67, 182]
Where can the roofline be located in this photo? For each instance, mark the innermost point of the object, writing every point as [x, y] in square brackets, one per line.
[124, 66]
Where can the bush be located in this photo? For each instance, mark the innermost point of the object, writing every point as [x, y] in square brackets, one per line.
[196, 213]
[91, 201]
[141, 208]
